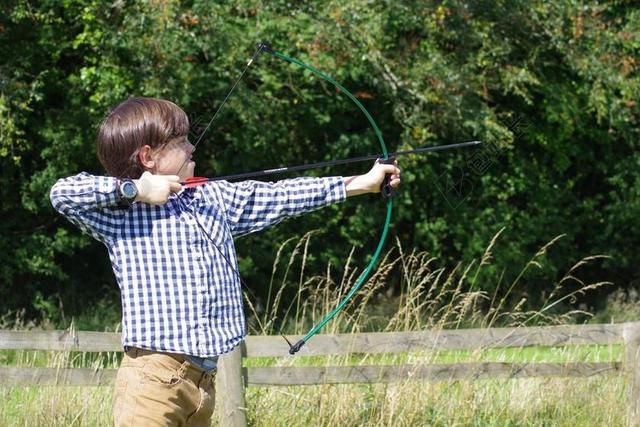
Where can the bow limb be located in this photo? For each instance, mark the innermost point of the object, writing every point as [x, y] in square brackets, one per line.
[369, 268]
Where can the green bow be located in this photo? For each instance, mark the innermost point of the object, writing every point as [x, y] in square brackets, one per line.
[369, 268]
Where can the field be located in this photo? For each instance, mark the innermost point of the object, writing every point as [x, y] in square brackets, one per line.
[432, 298]
[593, 401]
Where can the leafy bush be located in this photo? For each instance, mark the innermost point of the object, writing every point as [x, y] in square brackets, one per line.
[550, 87]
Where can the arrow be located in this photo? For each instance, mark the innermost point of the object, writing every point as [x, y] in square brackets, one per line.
[198, 180]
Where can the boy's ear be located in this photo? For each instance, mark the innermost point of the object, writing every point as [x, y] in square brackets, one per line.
[145, 157]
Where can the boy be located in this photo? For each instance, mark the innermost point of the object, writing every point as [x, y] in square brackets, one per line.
[173, 255]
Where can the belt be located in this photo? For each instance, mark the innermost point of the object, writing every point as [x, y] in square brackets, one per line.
[207, 364]
[204, 363]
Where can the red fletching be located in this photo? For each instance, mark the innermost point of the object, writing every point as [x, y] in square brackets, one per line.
[194, 181]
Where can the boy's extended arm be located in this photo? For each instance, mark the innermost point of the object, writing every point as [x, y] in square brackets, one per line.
[253, 205]
[89, 202]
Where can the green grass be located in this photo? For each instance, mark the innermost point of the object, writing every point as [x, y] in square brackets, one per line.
[595, 401]
[586, 353]
[523, 402]
[527, 402]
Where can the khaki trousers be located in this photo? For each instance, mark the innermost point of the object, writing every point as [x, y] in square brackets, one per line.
[162, 389]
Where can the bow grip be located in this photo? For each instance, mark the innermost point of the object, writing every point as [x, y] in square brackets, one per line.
[385, 188]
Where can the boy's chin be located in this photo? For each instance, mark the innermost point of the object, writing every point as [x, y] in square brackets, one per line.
[190, 170]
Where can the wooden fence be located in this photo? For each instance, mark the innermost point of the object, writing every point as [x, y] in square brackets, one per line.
[232, 377]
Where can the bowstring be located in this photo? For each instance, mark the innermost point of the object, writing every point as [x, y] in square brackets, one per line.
[222, 254]
[184, 207]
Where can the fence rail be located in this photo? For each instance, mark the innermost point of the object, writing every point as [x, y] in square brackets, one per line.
[370, 343]
[233, 377]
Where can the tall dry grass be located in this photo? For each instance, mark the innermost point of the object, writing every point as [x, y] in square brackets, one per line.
[431, 296]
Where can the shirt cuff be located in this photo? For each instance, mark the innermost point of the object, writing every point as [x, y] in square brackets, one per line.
[107, 191]
[337, 191]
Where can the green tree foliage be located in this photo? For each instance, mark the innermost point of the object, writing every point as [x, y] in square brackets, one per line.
[552, 88]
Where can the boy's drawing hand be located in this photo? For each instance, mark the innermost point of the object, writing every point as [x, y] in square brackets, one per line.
[372, 180]
[155, 189]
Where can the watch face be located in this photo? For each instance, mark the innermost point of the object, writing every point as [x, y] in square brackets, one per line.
[129, 190]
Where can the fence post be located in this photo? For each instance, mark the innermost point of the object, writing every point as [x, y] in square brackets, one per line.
[230, 389]
[632, 370]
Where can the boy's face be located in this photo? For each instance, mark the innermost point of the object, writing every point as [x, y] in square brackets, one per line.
[175, 159]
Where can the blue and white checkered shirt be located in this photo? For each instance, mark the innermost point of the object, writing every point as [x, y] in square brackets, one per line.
[178, 293]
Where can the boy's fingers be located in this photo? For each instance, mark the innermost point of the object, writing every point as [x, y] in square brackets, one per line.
[392, 169]
[175, 187]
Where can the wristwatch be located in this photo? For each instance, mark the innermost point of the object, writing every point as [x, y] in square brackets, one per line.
[127, 190]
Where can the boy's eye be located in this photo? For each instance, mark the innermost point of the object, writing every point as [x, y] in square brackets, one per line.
[178, 143]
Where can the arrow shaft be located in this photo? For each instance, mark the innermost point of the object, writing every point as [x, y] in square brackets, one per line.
[308, 166]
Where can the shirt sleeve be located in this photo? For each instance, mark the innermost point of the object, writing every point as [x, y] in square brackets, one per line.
[253, 205]
[91, 203]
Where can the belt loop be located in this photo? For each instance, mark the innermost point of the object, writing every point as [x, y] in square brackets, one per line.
[184, 366]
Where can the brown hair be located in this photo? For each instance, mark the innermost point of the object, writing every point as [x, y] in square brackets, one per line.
[131, 125]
